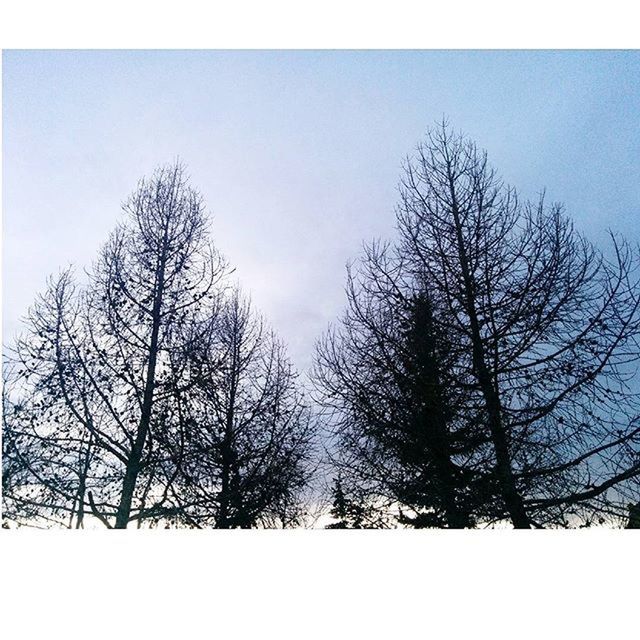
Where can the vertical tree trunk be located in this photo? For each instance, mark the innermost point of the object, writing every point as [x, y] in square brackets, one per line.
[133, 464]
[512, 499]
[224, 520]
[82, 489]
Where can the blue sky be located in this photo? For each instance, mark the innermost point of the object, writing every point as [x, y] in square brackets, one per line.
[297, 153]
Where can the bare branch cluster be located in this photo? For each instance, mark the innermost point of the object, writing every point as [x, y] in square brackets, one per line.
[154, 393]
[536, 351]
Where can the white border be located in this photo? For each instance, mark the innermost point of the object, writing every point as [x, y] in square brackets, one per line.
[355, 24]
[320, 584]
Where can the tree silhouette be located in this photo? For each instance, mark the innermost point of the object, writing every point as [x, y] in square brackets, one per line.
[104, 387]
[526, 336]
[386, 374]
[485, 370]
[247, 435]
[347, 512]
[551, 324]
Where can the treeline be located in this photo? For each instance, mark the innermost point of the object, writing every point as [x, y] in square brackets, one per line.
[485, 371]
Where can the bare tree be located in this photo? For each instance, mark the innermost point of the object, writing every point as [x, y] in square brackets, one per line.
[486, 366]
[249, 434]
[551, 325]
[102, 376]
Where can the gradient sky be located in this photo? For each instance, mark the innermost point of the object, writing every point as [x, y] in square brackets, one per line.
[297, 153]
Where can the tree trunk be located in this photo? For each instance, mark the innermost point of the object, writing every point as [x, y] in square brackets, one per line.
[133, 463]
[224, 520]
[512, 499]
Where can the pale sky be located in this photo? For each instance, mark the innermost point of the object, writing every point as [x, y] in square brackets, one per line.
[297, 153]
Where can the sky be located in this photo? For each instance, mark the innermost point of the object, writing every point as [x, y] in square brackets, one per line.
[297, 153]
